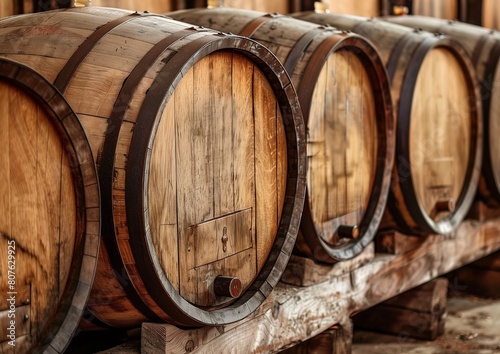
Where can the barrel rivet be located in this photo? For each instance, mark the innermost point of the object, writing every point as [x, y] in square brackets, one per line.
[26, 317]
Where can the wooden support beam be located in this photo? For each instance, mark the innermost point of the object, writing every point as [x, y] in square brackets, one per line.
[418, 313]
[393, 242]
[303, 271]
[480, 278]
[481, 212]
[294, 314]
[335, 340]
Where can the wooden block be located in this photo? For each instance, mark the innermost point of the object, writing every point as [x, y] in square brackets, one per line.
[303, 271]
[336, 340]
[481, 277]
[419, 313]
[393, 242]
[481, 212]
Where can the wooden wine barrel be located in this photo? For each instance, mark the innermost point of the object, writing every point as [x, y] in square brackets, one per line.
[200, 148]
[49, 214]
[345, 98]
[9, 8]
[156, 6]
[484, 48]
[446, 9]
[439, 130]
[484, 13]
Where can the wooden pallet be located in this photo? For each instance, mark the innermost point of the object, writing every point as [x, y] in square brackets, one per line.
[293, 314]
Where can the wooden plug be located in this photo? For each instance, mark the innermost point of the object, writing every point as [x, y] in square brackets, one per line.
[442, 206]
[348, 231]
[227, 286]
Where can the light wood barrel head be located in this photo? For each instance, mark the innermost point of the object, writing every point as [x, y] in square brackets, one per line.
[440, 137]
[49, 213]
[342, 144]
[217, 177]
[491, 14]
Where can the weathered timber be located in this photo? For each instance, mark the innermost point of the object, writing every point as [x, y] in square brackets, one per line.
[335, 340]
[49, 214]
[393, 242]
[419, 313]
[295, 314]
[345, 98]
[439, 138]
[155, 6]
[480, 278]
[200, 149]
[302, 271]
[482, 212]
[484, 48]
[490, 14]
[447, 9]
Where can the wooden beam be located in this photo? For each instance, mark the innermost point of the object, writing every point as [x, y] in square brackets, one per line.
[303, 271]
[418, 313]
[336, 340]
[480, 278]
[292, 314]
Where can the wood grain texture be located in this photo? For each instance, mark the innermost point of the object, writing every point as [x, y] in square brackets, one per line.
[50, 224]
[491, 14]
[41, 205]
[342, 145]
[286, 318]
[8, 8]
[344, 109]
[439, 147]
[156, 6]
[370, 8]
[406, 50]
[447, 9]
[482, 45]
[210, 153]
[278, 6]
[207, 151]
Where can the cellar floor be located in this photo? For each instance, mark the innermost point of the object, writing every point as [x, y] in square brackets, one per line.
[472, 327]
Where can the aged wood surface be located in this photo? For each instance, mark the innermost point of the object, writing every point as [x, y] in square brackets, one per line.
[440, 136]
[49, 222]
[295, 314]
[337, 340]
[482, 45]
[302, 271]
[447, 9]
[491, 14]
[156, 6]
[368, 8]
[481, 277]
[418, 313]
[344, 95]
[38, 210]
[276, 6]
[192, 162]
[435, 129]
[393, 242]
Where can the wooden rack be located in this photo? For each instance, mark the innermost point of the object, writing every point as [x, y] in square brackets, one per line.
[294, 313]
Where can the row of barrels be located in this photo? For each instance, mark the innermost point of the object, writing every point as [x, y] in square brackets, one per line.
[156, 170]
[479, 12]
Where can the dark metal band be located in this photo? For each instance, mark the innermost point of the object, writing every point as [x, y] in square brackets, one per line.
[487, 87]
[294, 55]
[107, 160]
[253, 25]
[179, 309]
[84, 49]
